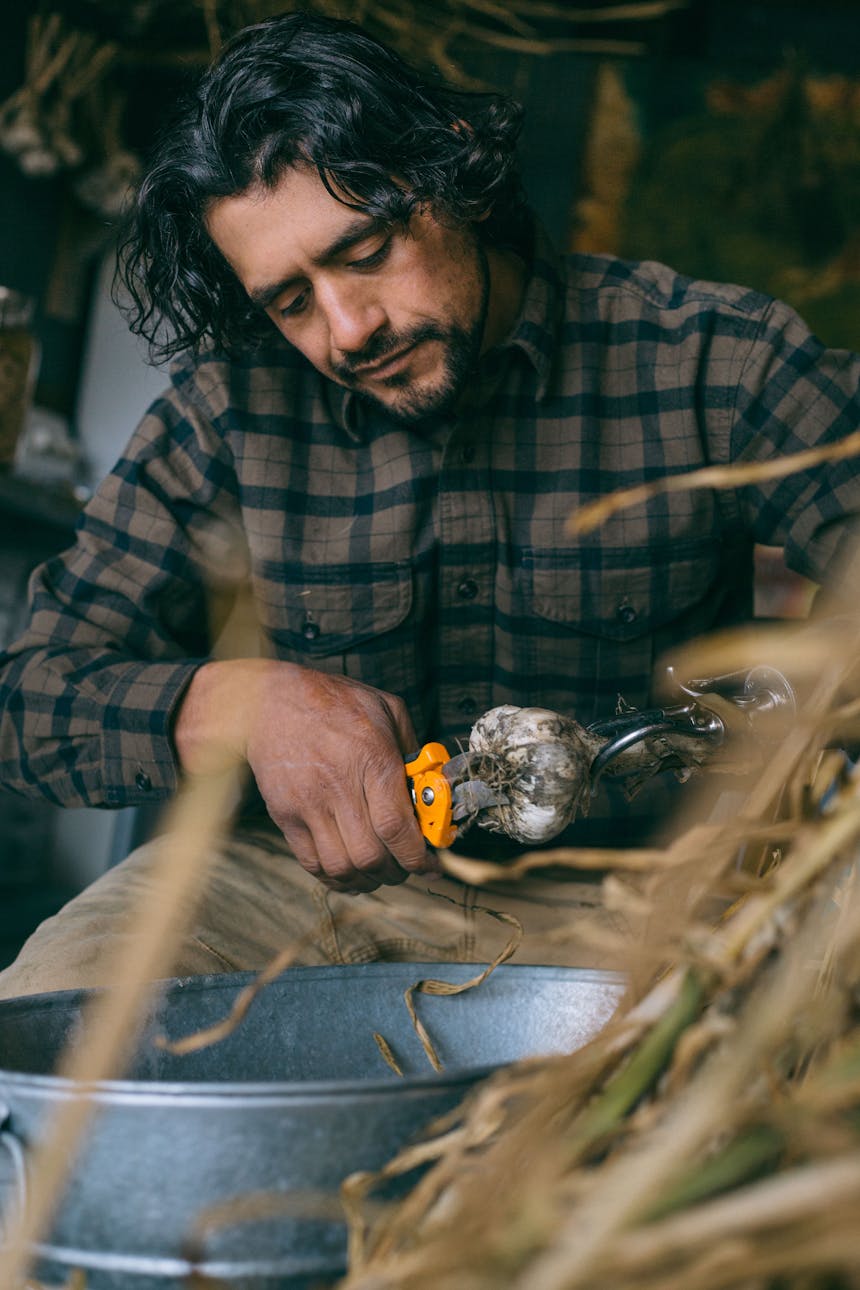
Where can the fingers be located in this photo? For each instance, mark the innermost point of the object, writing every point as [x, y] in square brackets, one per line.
[352, 852]
[394, 823]
[402, 724]
[355, 849]
[327, 861]
[328, 755]
[341, 850]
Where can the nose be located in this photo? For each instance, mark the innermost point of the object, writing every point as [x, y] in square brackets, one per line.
[354, 315]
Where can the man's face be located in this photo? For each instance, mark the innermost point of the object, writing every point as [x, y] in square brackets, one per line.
[397, 314]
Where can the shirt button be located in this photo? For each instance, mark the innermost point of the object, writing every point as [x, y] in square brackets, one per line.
[625, 612]
[467, 704]
[142, 781]
[468, 589]
[311, 631]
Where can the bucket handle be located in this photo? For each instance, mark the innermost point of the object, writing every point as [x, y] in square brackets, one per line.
[12, 1146]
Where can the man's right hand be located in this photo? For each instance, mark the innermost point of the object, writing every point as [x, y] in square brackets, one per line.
[328, 757]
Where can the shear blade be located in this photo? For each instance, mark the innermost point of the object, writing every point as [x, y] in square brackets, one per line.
[472, 796]
[469, 793]
[459, 768]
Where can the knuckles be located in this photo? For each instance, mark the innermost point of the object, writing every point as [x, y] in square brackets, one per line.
[368, 855]
[393, 829]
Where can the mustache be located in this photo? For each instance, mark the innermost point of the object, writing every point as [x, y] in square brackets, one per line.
[380, 346]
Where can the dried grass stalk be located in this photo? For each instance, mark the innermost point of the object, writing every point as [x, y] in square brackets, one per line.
[198, 815]
[710, 1135]
[200, 812]
[593, 514]
[445, 989]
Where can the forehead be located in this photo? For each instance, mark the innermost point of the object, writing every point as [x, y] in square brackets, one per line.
[285, 229]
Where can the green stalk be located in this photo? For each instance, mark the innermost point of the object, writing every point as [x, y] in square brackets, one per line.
[627, 1085]
[743, 1160]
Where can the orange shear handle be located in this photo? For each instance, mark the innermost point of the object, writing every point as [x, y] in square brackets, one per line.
[431, 794]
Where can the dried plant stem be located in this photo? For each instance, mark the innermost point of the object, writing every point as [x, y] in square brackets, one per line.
[588, 858]
[624, 1189]
[645, 860]
[776, 1202]
[592, 515]
[198, 815]
[534, 9]
[803, 650]
[221, 1029]
[444, 988]
[815, 849]
[387, 1053]
[648, 1169]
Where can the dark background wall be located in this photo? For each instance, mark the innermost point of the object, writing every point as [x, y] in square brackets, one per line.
[49, 242]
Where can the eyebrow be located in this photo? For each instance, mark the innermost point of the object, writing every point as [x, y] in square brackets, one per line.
[360, 228]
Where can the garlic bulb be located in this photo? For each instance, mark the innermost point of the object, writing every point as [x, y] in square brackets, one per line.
[540, 760]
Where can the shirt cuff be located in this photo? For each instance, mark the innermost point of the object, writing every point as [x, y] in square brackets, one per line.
[139, 762]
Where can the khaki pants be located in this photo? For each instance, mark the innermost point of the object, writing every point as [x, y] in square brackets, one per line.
[258, 901]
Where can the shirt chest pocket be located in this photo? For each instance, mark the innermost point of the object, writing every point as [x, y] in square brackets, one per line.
[353, 620]
[599, 619]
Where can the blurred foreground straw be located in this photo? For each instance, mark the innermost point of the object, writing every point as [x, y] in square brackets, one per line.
[198, 815]
[709, 1137]
[593, 514]
[201, 811]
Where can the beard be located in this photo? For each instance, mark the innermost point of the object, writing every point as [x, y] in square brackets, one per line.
[461, 348]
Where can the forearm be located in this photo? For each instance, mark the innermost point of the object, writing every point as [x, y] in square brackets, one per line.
[213, 720]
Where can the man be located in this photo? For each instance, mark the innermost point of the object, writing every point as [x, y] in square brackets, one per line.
[390, 397]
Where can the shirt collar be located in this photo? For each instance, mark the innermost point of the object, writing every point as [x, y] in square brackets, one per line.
[534, 333]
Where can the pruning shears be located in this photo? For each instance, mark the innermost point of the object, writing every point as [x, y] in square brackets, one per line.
[451, 793]
[447, 792]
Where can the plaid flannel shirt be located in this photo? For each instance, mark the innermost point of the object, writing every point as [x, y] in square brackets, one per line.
[432, 562]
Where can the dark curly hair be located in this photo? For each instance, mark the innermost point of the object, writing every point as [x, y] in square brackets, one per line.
[305, 89]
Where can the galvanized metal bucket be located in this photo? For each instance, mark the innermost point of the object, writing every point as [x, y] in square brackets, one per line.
[296, 1099]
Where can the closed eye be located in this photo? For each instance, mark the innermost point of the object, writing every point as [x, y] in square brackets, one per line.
[374, 258]
[364, 263]
[296, 305]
